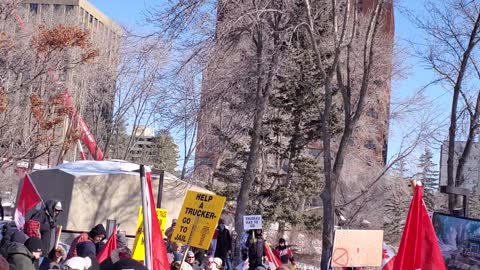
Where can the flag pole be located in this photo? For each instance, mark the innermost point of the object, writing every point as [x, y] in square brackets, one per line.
[146, 219]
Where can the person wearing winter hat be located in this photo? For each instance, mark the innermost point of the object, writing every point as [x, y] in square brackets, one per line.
[87, 249]
[97, 234]
[47, 217]
[78, 263]
[191, 260]
[23, 256]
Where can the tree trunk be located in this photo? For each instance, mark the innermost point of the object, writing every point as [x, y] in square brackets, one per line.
[263, 90]
[453, 200]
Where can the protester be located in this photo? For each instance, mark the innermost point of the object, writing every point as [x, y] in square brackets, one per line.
[54, 260]
[284, 253]
[47, 217]
[191, 260]
[256, 250]
[72, 252]
[23, 256]
[213, 264]
[177, 252]
[224, 242]
[175, 265]
[10, 233]
[169, 233]
[78, 263]
[97, 234]
[87, 249]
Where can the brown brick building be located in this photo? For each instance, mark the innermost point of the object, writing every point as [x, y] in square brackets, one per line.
[369, 145]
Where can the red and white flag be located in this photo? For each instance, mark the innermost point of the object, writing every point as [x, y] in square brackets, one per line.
[273, 261]
[28, 198]
[388, 257]
[109, 247]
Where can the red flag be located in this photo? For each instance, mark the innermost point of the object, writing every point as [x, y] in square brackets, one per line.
[159, 252]
[419, 246]
[28, 198]
[109, 247]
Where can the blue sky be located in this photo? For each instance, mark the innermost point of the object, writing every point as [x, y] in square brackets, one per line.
[130, 13]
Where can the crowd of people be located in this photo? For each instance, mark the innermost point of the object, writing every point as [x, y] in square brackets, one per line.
[36, 247]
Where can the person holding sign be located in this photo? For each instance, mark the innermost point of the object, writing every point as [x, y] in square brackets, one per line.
[256, 250]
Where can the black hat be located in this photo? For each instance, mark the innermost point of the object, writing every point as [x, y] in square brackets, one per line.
[34, 244]
[97, 230]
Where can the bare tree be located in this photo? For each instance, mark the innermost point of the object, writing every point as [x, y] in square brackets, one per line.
[452, 28]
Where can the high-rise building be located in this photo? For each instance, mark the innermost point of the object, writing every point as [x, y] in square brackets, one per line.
[369, 143]
[91, 86]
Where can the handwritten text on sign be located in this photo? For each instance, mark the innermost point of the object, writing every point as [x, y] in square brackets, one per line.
[198, 219]
[252, 222]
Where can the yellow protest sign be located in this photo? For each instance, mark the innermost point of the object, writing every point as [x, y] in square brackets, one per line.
[139, 243]
[198, 219]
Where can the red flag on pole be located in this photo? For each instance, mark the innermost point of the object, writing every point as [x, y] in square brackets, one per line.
[109, 247]
[159, 252]
[419, 246]
[28, 198]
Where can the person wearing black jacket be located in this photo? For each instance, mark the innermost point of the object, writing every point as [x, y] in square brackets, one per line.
[224, 242]
[47, 217]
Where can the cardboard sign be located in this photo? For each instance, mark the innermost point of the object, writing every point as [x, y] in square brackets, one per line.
[139, 243]
[253, 222]
[357, 248]
[198, 219]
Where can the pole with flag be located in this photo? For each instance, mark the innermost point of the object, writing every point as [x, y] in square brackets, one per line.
[155, 250]
[419, 246]
[28, 198]
[146, 219]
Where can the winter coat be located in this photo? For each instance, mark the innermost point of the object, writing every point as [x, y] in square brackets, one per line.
[10, 234]
[73, 247]
[224, 243]
[256, 252]
[20, 257]
[48, 222]
[98, 230]
[87, 249]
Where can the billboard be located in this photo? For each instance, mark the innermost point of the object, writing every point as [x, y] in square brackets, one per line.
[459, 241]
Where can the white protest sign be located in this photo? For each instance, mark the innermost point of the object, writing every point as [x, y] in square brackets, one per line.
[253, 222]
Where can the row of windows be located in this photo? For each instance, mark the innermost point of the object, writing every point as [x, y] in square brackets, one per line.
[35, 8]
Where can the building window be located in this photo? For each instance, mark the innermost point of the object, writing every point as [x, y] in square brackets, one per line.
[69, 8]
[57, 8]
[45, 8]
[370, 145]
[91, 18]
[372, 114]
[34, 8]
